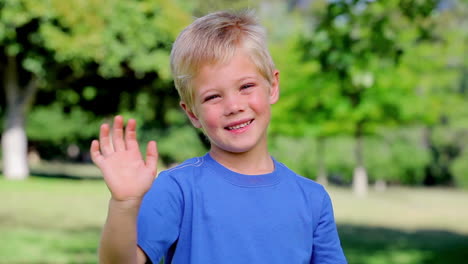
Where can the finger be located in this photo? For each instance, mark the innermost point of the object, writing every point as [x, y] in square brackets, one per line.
[152, 157]
[117, 134]
[130, 135]
[104, 140]
[96, 156]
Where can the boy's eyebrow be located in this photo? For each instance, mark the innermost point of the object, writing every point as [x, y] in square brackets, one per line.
[243, 78]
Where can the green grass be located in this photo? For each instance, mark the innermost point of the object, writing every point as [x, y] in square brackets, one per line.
[403, 226]
[50, 220]
[58, 220]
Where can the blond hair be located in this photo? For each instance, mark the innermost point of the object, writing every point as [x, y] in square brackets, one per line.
[213, 39]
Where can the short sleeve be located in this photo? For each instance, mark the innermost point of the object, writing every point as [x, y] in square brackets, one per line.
[327, 247]
[159, 217]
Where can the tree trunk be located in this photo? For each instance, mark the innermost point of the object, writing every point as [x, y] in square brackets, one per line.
[322, 171]
[14, 147]
[360, 182]
[14, 140]
[431, 167]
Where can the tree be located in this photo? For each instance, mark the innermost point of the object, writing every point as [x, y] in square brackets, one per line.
[356, 43]
[40, 38]
[441, 84]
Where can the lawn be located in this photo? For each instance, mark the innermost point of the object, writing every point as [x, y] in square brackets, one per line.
[403, 226]
[51, 220]
[58, 220]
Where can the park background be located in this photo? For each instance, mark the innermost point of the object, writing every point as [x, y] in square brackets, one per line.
[373, 105]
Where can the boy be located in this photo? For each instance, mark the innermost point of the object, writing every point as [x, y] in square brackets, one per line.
[235, 204]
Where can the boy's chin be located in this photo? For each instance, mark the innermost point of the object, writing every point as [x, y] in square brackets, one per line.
[238, 150]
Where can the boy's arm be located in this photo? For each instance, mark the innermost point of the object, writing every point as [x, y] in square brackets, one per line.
[128, 178]
[118, 241]
[327, 247]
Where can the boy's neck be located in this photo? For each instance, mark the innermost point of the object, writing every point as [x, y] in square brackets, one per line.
[249, 163]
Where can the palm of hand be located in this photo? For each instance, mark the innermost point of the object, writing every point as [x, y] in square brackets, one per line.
[125, 172]
[126, 175]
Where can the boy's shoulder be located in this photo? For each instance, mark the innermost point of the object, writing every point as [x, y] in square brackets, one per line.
[185, 167]
[303, 182]
[179, 175]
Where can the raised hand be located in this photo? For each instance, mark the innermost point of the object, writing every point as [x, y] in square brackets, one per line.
[126, 174]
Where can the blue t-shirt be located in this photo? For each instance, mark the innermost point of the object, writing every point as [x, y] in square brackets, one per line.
[202, 212]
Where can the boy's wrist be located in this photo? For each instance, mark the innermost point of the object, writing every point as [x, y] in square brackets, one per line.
[125, 205]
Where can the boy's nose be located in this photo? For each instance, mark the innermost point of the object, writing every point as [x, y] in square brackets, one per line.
[233, 105]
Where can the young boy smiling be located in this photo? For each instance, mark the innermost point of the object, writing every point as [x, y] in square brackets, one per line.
[235, 204]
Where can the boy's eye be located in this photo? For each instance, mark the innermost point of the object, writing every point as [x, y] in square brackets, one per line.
[248, 85]
[210, 97]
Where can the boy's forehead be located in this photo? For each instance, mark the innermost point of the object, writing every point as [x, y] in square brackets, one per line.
[221, 58]
[238, 68]
[239, 59]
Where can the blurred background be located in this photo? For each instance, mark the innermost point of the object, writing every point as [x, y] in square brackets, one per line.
[374, 105]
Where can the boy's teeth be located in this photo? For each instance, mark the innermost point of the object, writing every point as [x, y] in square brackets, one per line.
[239, 126]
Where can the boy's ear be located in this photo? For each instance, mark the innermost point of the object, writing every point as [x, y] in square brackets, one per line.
[191, 115]
[274, 90]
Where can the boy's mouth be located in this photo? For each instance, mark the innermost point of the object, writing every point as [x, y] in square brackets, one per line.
[239, 126]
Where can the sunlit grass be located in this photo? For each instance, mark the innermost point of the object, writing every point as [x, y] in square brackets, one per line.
[408, 209]
[46, 220]
[403, 226]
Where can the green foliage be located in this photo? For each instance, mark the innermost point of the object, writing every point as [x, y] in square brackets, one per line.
[203, 7]
[446, 144]
[301, 155]
[378, 65]
[459, 169]
[88, 56]
[396, 156]
[374, 65]
[436, 70]
[297, 153]
[358, 46]
[54, 125]
[111, 33]
[402, 147]
[305, 95]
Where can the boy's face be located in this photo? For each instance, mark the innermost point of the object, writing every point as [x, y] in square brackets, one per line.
[232, 104]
